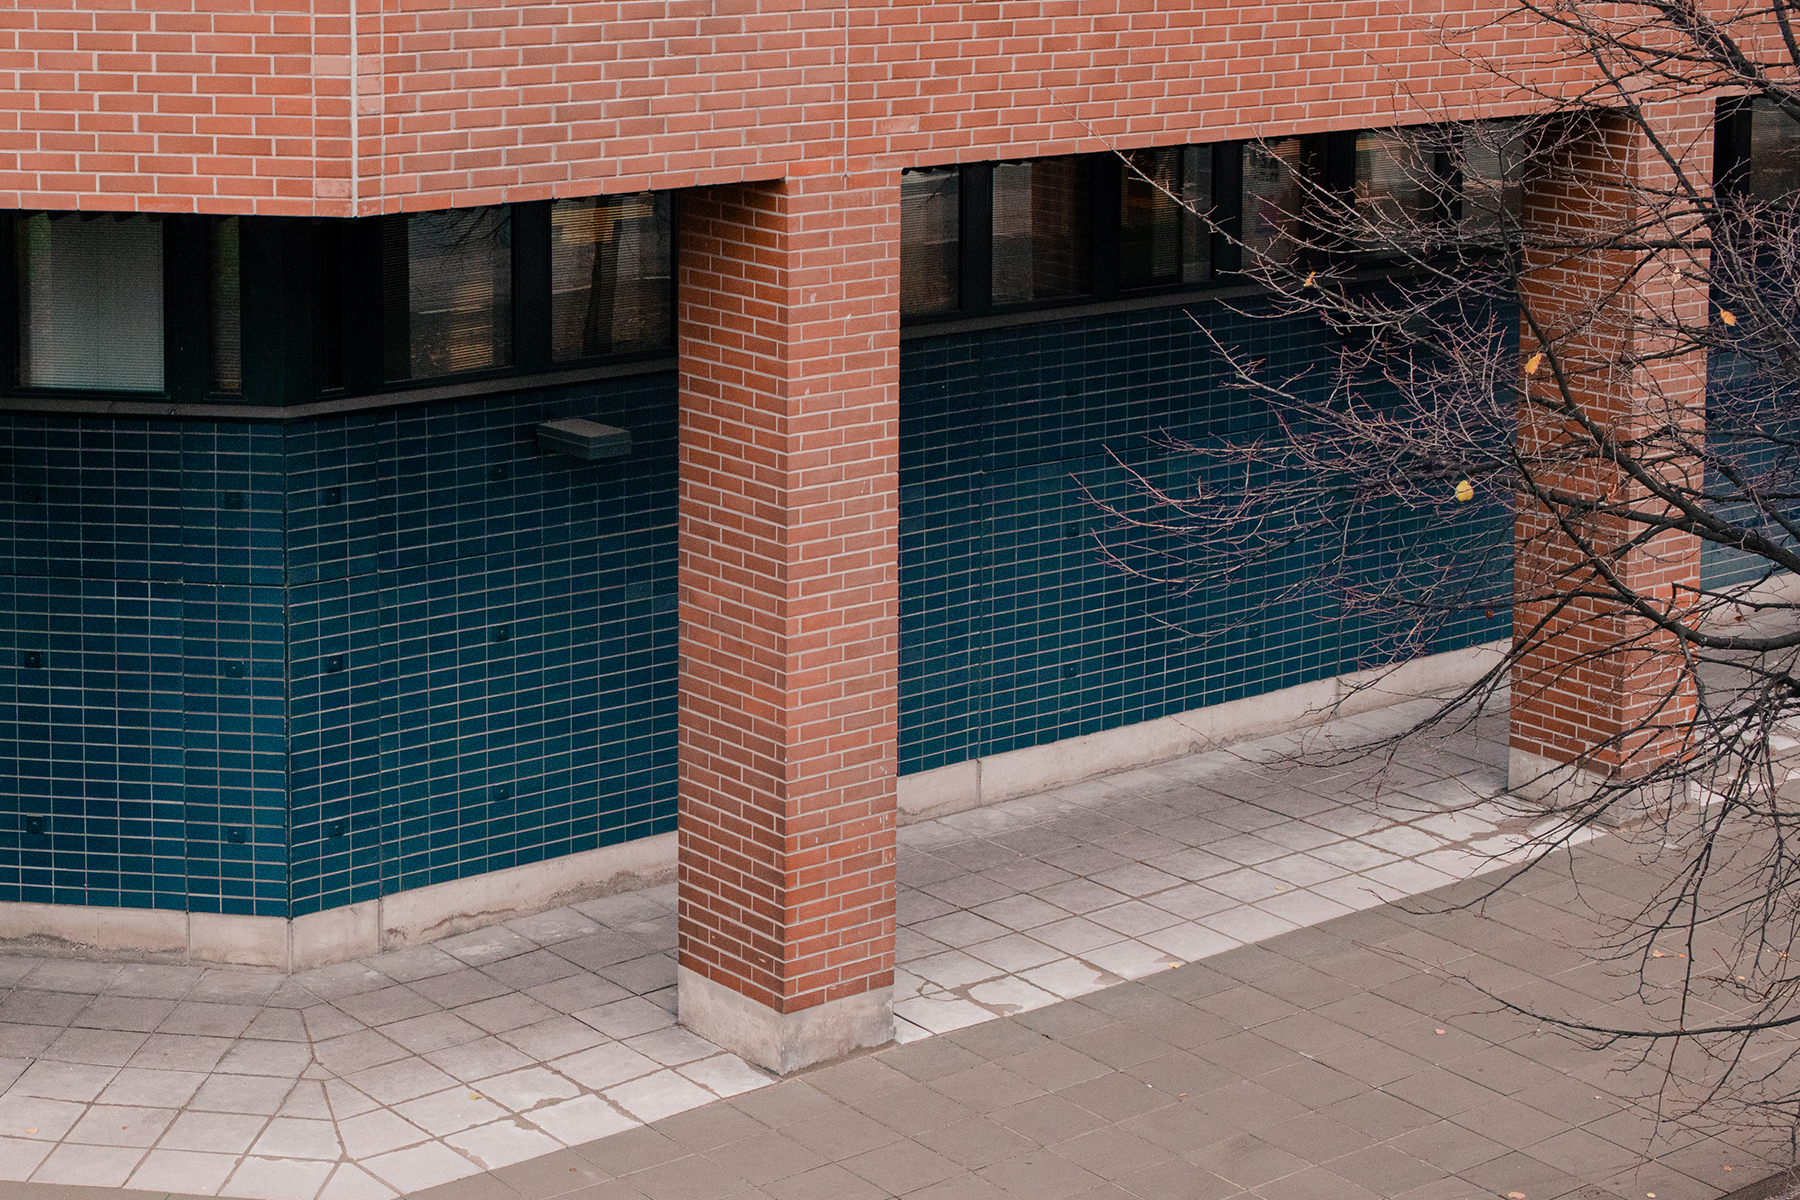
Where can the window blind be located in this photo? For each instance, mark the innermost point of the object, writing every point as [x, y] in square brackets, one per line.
[225, 308]
[1274, 200]
[1040, 230]
[90, 302]
[609, 275]
[930, 240]
[447, 291]
[1161, 240]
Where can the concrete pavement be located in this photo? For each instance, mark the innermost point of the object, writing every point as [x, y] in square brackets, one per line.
[1228, 976]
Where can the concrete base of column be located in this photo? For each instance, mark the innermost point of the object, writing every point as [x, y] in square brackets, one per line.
[1565, 785]
[783, 1042]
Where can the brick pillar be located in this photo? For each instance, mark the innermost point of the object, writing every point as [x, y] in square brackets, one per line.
[789, 343]
[1599, 693]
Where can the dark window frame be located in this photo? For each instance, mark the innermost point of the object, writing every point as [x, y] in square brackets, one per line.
[1328, 160]
[187, 316]
[1734, 146]
[1126, 173]
[1091, 181]
[392, 304]
[546, 261]
[1446, 175]
[311, 309]
[1451, 193]
[1103, 178]
[1732, 130]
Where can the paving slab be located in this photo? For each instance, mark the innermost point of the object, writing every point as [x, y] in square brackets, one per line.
[1239, 974]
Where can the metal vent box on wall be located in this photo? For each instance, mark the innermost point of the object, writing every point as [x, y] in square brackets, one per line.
[583, 439]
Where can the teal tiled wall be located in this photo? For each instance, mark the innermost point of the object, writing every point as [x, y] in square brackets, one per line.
[1016, 630]
[262, 669]
[267, 670]
[1743, 411]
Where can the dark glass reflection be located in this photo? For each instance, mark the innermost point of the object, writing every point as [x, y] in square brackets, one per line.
[609, 275]
[1162, 239]
[1040, 230]
[447, 291]
[930, 241]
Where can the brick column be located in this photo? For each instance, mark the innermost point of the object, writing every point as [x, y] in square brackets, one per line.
[1599, 693]
[789, 342]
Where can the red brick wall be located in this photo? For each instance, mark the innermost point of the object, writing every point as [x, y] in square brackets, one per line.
[176, 106]
[246, 105]
[1600, 680]
[789, 330]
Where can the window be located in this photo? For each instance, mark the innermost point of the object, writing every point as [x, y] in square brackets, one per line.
[983, 237]
[1040, 235]
[1381, 194]
[90, 302]
[1424, 186]
[1275, 200]
[1774, 168]
[930, 240]
[609, 275]
[1400, 195]
[447, 292]
[280, 311]
[1489, 156]
[1161, 239]
[225, 314]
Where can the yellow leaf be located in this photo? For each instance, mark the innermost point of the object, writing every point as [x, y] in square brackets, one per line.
[1310, 276]
[1531, 364]
[1725, 316]
[1465, 491]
